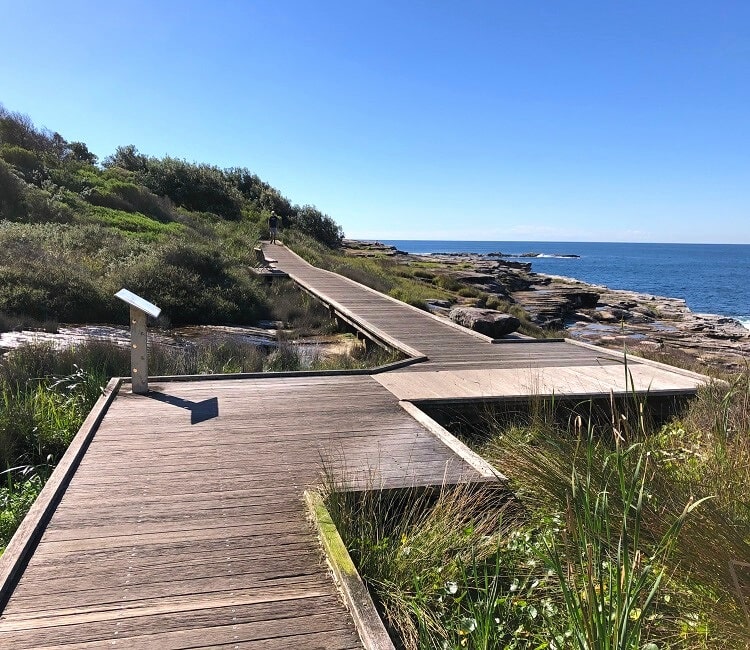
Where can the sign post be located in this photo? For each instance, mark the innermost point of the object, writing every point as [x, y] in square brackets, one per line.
[139, 309]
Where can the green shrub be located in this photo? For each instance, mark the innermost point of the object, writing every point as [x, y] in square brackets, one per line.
[129, 197]
[469, 292]
[14, 322]
[452, 570]
[310, 250]
[317, 225]
[609, 571]
[493, 302]
[617, 494]
[18, 491]
[45, 293]
[41, 207]
[12, 206]
[366, 273]
[448, 283]
[203, 188]
[28, 163]
[296, 309]
[195, 284]
[285, 358]
[40, 416]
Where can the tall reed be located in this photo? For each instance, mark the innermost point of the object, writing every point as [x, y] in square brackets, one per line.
[609, 576]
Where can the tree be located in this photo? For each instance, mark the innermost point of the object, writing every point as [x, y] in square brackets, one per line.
[128, 158]
[79, 152]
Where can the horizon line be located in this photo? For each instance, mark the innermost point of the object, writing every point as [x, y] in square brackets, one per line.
[546, 241]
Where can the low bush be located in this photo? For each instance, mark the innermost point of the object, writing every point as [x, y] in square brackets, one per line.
[469, 292]
[366, 273]
[69, 273]
[129, 197]
[195, 284]
[28, 163]
[19, 489]
[39, 417]
[45, 292]
[12, 193]
[629, 488]
[297, 310]
[448, 283]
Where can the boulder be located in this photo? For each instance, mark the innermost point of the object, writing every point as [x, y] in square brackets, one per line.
[437, 306]
[580, 298]
[611, 315]
[485, 321]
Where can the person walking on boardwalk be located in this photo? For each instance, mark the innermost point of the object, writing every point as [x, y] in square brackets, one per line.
[273, 227]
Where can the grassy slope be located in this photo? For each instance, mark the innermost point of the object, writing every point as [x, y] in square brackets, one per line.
[73, 232]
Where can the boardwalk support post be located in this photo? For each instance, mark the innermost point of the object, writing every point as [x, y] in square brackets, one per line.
[139, 309]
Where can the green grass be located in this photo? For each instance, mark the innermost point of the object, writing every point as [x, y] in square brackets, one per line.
[39, 415]
[134, 224]
[623, 492]
[19, 488]
[610, 579]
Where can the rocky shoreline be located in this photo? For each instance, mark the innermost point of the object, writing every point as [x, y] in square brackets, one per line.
[591, 313]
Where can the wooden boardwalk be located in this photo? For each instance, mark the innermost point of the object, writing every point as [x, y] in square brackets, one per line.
[178, 531]
[184, 524]
[463, 365]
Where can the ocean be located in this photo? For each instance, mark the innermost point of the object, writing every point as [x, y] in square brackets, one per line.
[711, 278]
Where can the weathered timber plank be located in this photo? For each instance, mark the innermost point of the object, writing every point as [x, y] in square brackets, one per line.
[83, 628]
[152, 593]
[130, 575]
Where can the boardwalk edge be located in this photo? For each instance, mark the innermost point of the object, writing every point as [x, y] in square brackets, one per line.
[484, 468]
[23, 542]
[285, 374]
[633, 358]
[369, 625]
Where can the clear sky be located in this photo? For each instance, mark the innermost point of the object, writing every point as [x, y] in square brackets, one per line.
[497, 120]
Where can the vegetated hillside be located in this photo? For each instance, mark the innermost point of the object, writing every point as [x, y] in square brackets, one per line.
[73, 231]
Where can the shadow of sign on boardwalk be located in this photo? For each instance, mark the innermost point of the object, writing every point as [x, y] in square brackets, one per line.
[208, 409]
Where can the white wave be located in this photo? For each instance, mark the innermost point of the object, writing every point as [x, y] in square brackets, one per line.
[745, 322]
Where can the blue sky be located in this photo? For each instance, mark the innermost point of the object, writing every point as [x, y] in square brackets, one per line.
[560, 121]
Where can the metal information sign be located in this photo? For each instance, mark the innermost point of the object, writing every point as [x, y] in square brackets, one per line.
[139, 309]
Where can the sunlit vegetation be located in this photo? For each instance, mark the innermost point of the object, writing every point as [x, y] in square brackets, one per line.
[73, 231]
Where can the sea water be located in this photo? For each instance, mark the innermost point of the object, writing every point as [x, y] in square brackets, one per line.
[711, 278]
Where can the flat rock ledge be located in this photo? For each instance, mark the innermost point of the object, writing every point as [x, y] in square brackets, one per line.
[489, 322]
